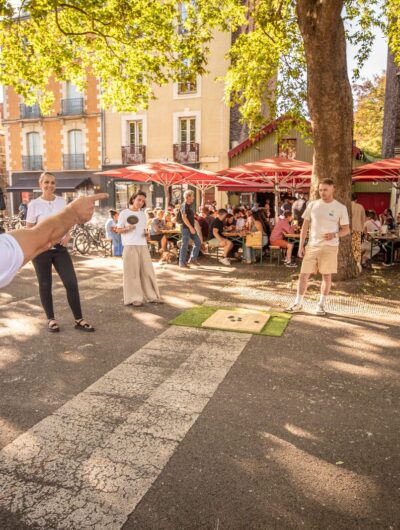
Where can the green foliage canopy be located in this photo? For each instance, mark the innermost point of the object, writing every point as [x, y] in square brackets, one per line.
[368, 116]
[132, 45]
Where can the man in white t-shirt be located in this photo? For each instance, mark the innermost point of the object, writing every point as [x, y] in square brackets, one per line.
[20, 246]
[327, 220]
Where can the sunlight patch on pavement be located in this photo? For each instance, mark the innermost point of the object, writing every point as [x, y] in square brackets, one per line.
[324, 482]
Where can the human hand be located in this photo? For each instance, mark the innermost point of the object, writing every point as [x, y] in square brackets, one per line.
[329, 236]
[192, 231]
[83, 207]
[301, 252]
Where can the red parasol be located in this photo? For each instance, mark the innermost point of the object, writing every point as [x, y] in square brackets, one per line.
[277, 171]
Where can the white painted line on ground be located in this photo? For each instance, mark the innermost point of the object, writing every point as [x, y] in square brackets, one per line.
[89, 464]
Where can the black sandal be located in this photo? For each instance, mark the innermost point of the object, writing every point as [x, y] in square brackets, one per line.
[52, 326]
[83, 325]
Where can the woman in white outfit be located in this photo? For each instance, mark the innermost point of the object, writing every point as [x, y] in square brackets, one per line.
[140, 284]
[47, 205]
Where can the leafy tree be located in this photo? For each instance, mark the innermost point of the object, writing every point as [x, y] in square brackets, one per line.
[289, 56]
[368, 116]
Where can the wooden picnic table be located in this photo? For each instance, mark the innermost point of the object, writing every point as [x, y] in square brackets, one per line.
[237, 237]
[384, 238]
[292, 238]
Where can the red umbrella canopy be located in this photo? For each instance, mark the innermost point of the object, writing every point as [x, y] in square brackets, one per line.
[204, 179]
[384, 170]
[270, 169]
[122, 173]
[165, 173]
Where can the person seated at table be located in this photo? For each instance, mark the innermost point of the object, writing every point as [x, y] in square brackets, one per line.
[230, 223]
[387, 212]
[239, 218]
[389, 222]
[204, 227]
[262, 226]
[282, 227]
[168, 221]
[156, 227]
[249, 219]
[110, 228]
[230, 226]
[218, 239]
[206, 212]
[149, 218]
[369, 249]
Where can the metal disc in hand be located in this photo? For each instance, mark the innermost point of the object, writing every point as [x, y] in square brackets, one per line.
[133, 220]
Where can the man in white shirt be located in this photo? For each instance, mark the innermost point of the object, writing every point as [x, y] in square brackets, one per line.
[20, 246]
[327, 220]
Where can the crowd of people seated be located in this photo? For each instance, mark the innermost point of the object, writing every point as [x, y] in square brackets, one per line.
[378, 225]
[211, 223]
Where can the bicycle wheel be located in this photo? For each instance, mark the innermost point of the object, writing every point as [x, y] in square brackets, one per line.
[82, 243]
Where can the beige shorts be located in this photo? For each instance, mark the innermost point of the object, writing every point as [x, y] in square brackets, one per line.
[320, 259]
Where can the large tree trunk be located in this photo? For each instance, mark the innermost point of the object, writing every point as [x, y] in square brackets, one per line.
[330, 104]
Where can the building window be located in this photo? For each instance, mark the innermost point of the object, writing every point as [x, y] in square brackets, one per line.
[135, 132]
[187, 87]
[33, 160]
[188, 84]
[33, 143]
[74, 102]
[186, 151]
[73, 91]
[75, 159]
[75, 142]
[287, 148]
[187, 130]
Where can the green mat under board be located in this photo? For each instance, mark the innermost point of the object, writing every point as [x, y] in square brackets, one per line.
[195, 316]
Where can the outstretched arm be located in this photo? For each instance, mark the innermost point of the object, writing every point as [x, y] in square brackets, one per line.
[43, 236]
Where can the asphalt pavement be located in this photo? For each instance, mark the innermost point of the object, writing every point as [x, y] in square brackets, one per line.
[142, 425]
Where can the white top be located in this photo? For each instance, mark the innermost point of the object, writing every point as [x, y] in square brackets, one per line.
[372, 226]
[11, 258]
[39, 209]
[240, 224]
[325, 217]
[137, 235]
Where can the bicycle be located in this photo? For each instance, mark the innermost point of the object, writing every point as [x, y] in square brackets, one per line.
[89, 237]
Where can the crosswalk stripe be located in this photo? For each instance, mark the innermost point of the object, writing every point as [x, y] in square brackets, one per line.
[89, 463]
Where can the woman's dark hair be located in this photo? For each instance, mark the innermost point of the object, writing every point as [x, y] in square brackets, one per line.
[287, 214]
[112, 212]
[143, 193]
[258, 215]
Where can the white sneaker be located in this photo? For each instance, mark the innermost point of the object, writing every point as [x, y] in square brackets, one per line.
[294, 308]
[225, 261]
[320, 310]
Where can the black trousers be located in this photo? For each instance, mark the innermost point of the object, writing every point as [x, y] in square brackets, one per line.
[60, 258]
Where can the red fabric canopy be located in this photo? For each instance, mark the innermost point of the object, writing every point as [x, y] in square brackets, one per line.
[384, 170]
[123, 173]
[165, 173]
[285, 172]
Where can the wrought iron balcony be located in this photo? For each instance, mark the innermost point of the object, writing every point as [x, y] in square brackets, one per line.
[32, 163]
[72, 107]
[133, 154]
[186, 153]
[76, 161]
[29, 112]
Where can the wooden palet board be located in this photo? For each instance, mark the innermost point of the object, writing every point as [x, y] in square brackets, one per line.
[238, 320]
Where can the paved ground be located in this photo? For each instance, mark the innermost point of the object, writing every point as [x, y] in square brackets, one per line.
[146, 426]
